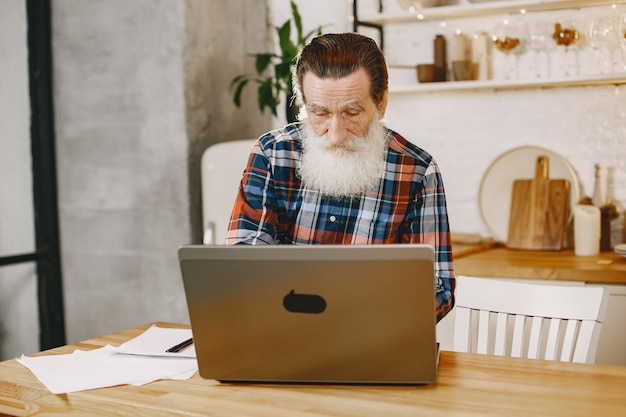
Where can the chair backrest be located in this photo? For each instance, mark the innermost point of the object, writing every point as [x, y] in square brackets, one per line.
[221, 170]
[532, 320]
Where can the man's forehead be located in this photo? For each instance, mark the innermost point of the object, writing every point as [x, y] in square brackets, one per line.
[350, 91]
[359, 76]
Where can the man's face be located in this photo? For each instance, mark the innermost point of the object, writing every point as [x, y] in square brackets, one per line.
[340, 109]
[345, 143]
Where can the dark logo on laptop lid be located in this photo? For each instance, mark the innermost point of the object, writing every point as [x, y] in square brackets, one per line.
[304, 303]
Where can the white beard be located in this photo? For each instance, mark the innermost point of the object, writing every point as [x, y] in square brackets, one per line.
[348, 169]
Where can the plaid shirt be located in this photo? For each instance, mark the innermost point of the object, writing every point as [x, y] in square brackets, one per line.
[273, 206]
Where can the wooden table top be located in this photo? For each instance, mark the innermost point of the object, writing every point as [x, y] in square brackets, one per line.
[607, 267]
[468, 385]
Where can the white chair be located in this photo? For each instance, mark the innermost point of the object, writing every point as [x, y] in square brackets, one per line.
[221, 168]
[531, 320]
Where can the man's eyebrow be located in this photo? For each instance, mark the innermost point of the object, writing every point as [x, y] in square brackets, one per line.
[350, 106]
[316, 107]
[354, 106]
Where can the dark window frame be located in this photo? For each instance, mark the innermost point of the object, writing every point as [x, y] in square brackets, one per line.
[47, 254]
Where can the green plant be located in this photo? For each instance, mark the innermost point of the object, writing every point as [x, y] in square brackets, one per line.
[274, 71]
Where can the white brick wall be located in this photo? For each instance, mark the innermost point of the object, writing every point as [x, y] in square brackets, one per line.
[466, 131]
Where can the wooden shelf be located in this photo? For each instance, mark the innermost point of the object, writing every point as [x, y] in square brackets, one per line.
[481, 9]
[610, 79]
[485, 9]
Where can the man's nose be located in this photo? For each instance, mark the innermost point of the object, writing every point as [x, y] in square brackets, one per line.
[337, 131]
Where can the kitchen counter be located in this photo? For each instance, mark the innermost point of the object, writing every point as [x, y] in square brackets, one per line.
[606, 268]
[468, 244]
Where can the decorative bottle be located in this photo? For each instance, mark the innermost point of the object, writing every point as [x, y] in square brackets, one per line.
[441, 66]
[599, 197]
[599, 200]
[615, 211]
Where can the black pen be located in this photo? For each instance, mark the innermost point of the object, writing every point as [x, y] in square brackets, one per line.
[180, 346]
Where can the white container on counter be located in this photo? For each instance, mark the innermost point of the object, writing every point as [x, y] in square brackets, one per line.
[586, 230]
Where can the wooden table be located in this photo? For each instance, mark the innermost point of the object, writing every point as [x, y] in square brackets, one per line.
[607, 267]
[468, 385]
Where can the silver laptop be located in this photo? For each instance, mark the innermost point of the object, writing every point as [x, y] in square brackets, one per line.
[312, 314]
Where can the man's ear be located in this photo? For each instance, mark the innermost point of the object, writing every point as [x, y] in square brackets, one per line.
[382, 106]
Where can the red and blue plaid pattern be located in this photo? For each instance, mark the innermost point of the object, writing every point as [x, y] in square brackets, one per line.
[408, 205]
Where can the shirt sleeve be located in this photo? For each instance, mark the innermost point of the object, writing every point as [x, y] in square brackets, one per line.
[254, 219]
[427, 223]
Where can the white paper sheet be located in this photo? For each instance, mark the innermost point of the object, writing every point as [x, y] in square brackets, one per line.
[156, 340]
[105, 367]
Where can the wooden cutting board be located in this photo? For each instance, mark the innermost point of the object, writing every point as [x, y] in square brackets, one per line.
[539, 211]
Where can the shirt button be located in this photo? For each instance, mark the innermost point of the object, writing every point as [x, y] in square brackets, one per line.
[333, 218]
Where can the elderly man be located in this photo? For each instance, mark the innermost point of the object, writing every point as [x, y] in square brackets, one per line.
[339, 176]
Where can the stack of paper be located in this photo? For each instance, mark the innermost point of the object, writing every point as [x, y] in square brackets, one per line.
[136, 362]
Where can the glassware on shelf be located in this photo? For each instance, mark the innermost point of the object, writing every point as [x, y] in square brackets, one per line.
[539, 41]
[567, 36]
[509, 37]
[602, 35]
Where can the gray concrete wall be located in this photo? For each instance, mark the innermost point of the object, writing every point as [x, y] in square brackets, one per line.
[122, 157]
[141, 88]
[219, 35]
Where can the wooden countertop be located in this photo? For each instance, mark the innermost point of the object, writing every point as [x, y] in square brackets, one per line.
[607, 267]
[467, 244]
[469, 385]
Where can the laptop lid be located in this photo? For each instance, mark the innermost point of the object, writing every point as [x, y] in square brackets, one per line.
[312, 314]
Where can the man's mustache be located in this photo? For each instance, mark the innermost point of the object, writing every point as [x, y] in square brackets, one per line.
[349, 145]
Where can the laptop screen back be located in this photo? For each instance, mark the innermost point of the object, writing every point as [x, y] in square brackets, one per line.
[351, 314]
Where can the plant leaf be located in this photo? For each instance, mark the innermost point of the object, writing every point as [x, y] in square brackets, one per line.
[297, 19]
[282, 70]
[262, 62]
[266, 96]
[284, 34]
[238, 91]
[238, 79]
[289, 53]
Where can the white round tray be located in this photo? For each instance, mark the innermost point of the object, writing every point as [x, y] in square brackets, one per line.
[494, 196]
